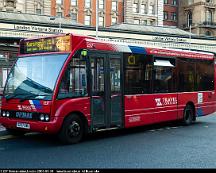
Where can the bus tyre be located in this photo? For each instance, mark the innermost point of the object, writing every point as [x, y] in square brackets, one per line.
[188, 117]
[15, 132]
[72, 130]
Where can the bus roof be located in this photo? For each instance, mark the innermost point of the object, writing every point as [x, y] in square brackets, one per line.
[64, 43]
[119, 46]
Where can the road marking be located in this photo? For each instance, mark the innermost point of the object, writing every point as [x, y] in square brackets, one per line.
[174, 127]
[7, 137]
[165, 128]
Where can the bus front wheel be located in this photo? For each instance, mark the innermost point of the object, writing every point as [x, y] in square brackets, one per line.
[72, 130]
[188, 116]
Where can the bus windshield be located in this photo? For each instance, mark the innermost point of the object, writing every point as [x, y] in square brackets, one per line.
[34, 77]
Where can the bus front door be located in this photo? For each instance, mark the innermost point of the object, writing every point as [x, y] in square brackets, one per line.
[106, 90]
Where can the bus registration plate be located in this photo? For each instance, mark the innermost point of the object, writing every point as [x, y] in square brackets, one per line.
[23, 125]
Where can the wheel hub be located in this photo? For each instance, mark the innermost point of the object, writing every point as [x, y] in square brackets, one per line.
[74, 129]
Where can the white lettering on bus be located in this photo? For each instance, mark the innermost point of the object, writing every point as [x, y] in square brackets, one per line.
[166, 101]
[134, 119]
[24, 107]
[158, 102]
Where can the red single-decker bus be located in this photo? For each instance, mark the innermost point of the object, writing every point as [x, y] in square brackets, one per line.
[72, 85]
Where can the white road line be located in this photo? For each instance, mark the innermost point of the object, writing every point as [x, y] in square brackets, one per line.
[7, 137]
[165, 128]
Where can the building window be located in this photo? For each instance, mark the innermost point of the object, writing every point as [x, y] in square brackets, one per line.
[165, 15]
[135, 8]
[114, 5]
[209, 16]
[74, 17]
[189, 19]
[38, 11]
[59, 14]
[208, 33]
[136, 21]
[87, 3]
[143, 9]
[165, 1]
[74, 2]
[59, 2]
[88, 20]
[173, 16]
[101, 4]
[101, 21]
[174, 2]
[209, 1]
[114, 20]
[152, 22]
[151, 9]
[190, 2]
[144, 22]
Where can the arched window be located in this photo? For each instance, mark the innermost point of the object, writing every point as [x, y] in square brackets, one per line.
[189, 19]
[208, 33]
[208, 1]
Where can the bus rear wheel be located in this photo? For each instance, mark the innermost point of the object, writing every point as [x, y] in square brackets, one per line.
[188, 116]
[72, 130]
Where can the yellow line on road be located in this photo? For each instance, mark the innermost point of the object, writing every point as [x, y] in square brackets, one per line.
[7, 137]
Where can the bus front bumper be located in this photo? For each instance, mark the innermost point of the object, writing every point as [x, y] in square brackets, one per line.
[50, 127]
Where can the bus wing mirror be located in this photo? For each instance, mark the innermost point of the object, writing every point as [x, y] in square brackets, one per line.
[83, 55]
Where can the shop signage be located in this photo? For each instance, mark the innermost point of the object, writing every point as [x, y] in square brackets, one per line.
[169, 39]
[37, 28]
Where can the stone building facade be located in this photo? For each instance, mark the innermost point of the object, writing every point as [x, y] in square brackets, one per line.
[145, 12]
[40, 7]
[198, 16]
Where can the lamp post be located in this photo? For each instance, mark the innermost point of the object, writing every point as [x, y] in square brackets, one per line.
[96, 27]
[190, 31]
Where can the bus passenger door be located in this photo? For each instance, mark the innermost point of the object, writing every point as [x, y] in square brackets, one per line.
[106, 92]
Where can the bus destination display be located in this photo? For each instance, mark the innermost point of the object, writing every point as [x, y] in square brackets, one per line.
[52, 44]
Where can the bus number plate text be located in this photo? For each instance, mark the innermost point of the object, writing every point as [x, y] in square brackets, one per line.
[23, 125]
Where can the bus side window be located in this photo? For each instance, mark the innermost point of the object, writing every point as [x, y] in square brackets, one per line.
[74, 81]
[164, 75]
[138, 73]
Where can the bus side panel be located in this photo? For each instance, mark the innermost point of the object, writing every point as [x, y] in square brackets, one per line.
[65, 107]
[214, 96]
[149, 109]
[204, 102]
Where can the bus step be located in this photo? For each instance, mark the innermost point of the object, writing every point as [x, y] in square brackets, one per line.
[106, 129]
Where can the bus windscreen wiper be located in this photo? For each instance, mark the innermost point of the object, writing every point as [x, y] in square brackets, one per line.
[30, 96]
[11, 96]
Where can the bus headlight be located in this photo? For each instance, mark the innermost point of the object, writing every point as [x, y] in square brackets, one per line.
[3, 113]
[7, 114]
[46, 117]
[42, 117]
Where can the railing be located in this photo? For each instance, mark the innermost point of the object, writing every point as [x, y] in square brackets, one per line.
[186, 26]
[209, 23]
[205, 23]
